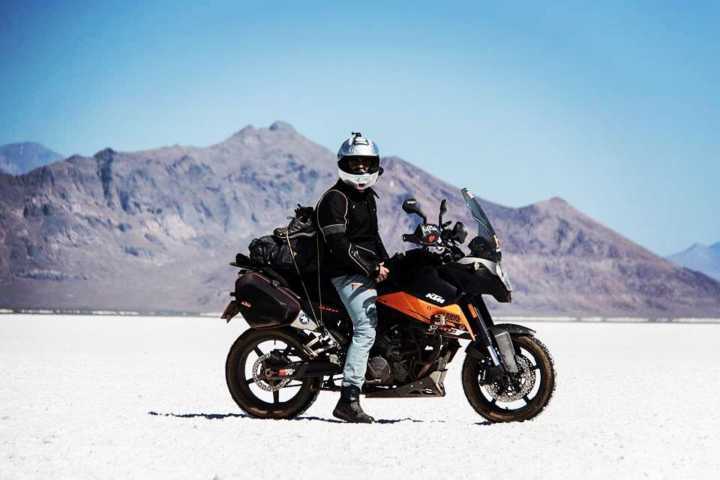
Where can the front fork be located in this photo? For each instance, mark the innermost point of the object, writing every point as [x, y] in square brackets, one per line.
[490, 338]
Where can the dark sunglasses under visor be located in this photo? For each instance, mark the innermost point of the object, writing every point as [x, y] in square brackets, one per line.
[361, 164]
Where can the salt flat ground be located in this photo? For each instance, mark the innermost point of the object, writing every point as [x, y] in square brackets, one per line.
[145, 397]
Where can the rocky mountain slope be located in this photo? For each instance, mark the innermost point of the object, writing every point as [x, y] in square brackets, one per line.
[154, 230]
[699, 257]
[19, 158]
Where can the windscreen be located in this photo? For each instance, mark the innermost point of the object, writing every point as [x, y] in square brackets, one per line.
[485, 229]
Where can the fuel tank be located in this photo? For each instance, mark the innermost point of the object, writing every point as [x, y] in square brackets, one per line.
[417, 274]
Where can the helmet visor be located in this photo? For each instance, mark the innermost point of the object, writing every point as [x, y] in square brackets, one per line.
[357, 164]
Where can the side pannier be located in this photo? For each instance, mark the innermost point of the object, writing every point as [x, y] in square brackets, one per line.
[263, 302]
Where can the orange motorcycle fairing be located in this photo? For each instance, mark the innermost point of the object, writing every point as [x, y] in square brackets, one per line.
[424, 311]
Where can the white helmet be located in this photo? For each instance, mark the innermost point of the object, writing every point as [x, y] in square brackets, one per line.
[359, 162]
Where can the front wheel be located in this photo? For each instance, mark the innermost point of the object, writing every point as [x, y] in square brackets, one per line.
[248, 371]
[517, 397]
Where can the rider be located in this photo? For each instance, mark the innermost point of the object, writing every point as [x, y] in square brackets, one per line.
[353, 259]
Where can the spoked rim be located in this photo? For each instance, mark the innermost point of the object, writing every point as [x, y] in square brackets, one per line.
[251, 370]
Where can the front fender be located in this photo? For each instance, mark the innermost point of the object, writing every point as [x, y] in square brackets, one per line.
[477, 350]
[513, 329]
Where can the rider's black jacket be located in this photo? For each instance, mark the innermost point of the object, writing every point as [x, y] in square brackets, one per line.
[347, 219]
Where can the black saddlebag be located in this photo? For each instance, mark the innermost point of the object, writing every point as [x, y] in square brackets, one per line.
[296, 241]
[263, 302]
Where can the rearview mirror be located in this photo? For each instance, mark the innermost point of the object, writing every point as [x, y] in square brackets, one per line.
[411, 206]
[443, 210]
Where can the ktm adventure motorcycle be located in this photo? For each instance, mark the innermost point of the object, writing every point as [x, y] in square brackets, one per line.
[432, 301]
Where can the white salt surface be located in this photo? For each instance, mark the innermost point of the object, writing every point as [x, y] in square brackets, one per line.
[138, 397]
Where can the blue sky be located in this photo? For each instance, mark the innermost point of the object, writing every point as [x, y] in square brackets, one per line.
[614, 106]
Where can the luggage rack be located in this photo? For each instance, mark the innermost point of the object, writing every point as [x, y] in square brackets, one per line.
[243, 261]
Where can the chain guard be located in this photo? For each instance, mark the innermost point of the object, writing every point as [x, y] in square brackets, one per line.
[526, 378]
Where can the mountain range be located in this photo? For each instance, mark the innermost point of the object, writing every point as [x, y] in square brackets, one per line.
[155, 229]
[703, 258]
[19, 158]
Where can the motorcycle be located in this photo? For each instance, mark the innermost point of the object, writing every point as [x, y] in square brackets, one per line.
[431, 302]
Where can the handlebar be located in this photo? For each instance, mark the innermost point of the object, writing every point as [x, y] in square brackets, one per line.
[430, 235]
[418, 237]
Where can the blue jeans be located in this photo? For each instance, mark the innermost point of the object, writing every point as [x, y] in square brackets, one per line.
[358, 294]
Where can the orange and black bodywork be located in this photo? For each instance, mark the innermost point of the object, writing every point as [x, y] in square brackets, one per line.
[448, 318]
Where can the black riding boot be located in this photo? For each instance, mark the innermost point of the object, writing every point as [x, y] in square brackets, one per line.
[348, 407]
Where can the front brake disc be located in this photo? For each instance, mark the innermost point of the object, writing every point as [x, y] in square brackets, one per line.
[525, 378]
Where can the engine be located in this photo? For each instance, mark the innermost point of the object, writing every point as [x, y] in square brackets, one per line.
[403, 353]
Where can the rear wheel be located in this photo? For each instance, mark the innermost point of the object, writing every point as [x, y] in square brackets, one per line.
[513, 398]
[248, 373]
